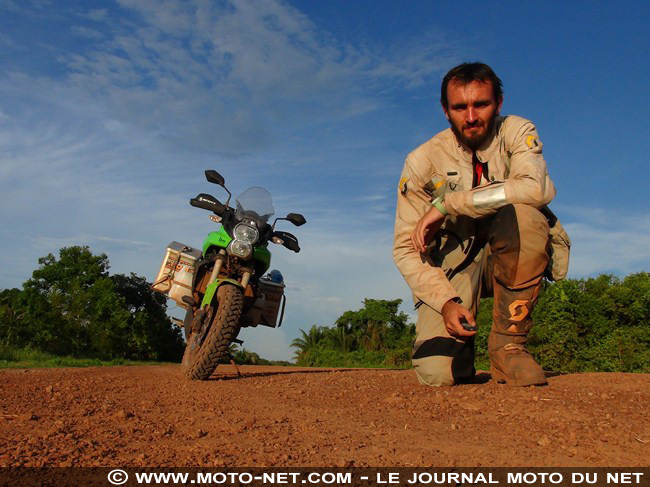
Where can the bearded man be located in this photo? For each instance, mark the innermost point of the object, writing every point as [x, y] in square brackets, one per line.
[472, 221]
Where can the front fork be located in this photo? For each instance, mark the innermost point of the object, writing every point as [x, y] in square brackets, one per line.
[214, 281]
[211, 290]
[217, 266]
[200, 312]
[245, 278]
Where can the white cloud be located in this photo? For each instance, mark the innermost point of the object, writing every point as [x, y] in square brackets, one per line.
[606, 243]
[86, 32]
[11, 6]
[108, 151]
[336, 270]
[227, 77]
[97, 14]
[44, 243]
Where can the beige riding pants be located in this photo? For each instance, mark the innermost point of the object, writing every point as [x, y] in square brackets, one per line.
[511, 254]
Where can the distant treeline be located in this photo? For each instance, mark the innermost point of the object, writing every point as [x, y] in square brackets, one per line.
[596, 324]
[72, 307]
[73, 313]
[246, 357]
[377, 335]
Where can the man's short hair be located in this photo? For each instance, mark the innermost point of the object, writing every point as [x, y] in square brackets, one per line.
[466, 73]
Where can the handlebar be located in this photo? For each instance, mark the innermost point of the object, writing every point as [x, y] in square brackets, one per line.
[208, 202]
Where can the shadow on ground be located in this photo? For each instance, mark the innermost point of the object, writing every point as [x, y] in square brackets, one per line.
[248, 375]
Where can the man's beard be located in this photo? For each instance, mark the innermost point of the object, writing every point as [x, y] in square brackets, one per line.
[475, 142]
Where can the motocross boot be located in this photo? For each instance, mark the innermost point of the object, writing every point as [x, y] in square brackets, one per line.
[519, 240]
[510, 361]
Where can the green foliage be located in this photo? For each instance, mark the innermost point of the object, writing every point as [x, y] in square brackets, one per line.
[376, 326]
[377, 335]
[11, 357]
[311, 340]
[150, 332]
[484, 322]
[596, 324]
[71, 306]
[337, 358]
[246, 357]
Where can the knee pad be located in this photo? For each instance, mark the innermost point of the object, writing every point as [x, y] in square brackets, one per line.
[444, 361]
[434, 371]
[519, 244]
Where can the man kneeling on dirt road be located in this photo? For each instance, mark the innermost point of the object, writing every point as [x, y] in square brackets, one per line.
[471, 222]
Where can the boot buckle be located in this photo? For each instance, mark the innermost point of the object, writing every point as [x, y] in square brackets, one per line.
[514, 347]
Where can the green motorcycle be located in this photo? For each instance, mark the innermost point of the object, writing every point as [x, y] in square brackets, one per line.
[226, 286]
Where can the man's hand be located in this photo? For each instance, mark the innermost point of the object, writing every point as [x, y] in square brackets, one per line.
[452, 312]
[426, 228]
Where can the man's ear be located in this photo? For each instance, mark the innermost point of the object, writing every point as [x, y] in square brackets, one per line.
[445, 111]
[499, 105]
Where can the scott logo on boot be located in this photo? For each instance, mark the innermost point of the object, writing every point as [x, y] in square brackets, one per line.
[518, 310]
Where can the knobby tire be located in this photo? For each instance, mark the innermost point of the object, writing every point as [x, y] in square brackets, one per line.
[200, 364]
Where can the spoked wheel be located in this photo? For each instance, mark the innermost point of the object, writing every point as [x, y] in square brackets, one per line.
[208, 346]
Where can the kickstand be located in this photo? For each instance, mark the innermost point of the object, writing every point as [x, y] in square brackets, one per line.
[232, 359]
[232, 362]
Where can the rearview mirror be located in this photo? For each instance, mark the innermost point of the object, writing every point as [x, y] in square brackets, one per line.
[296, 218]
[214, 177]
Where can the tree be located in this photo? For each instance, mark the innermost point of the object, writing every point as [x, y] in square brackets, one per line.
[151, 334]
[309, 341]
[77, 268]
[595, 324]
[376, 335]
[377, 325]
[71, 306]
[338, 339]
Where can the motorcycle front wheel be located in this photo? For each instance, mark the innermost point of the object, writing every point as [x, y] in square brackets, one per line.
[201, 357]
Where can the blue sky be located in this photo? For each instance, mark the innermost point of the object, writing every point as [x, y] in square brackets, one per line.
[110, 112]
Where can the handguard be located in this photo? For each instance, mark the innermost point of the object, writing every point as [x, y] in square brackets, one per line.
[208, 202]
[288, 240]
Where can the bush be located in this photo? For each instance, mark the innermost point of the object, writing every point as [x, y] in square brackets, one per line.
[72, 307]
[370, 359]
[596, 324]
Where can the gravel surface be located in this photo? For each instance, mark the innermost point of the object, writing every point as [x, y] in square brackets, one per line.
[286, 416]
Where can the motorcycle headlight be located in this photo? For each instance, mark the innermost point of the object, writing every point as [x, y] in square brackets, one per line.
[245, 233]
[241, 249]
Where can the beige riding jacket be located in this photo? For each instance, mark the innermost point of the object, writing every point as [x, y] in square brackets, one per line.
[443, 167]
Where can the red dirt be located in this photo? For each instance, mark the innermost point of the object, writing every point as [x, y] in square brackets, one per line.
[282, 416]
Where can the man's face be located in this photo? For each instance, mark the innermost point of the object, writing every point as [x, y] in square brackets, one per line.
[471, 111]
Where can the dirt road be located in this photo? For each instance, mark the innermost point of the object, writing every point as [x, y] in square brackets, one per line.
[278, 416]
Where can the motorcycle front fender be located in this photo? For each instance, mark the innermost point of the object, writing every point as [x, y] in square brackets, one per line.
[211, 290]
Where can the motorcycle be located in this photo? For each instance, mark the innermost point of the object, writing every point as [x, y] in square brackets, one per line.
[224, 287]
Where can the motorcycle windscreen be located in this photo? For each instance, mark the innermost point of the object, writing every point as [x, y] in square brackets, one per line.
[255, 204]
